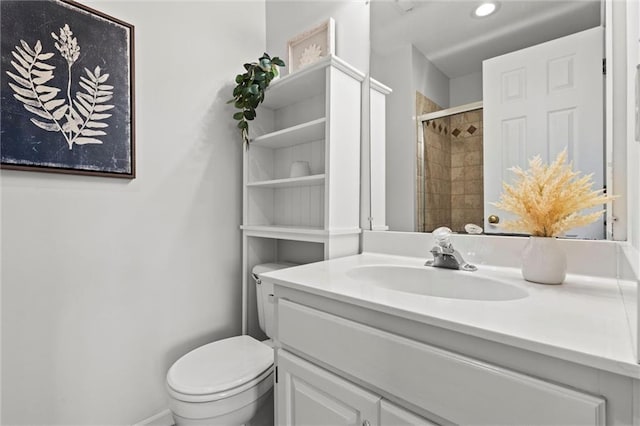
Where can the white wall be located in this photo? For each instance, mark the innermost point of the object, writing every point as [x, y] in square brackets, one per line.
[286, 19]
[465, 89]
[405, 71]
[394, 70]
[106, 282]
[428, 79]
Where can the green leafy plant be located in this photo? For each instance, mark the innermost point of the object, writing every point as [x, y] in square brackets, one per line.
[250, 89]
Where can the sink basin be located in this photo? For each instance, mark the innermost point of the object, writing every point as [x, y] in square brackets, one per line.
[436, 282]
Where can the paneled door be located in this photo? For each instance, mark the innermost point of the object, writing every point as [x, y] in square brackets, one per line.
[307, 395]
[539, 101]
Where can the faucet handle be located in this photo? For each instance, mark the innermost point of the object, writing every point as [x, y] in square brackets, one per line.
[442, 236]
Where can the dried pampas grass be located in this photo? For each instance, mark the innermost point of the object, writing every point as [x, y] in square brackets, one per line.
[548, 199]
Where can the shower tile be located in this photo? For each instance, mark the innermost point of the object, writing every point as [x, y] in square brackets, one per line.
[472, 116]
[471, 129]
[457, 174]
[456, 120]
[472, 158]
[458, 187]
[458, 215]
[473, 201]
[457, 201]
[457, 147]
[472, 187]
[473, 172]
[457, 160]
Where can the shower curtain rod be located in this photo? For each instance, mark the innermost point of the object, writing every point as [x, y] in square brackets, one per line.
[449, 111]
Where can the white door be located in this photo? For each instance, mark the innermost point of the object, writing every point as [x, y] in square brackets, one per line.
[307, 395]
[539, 101]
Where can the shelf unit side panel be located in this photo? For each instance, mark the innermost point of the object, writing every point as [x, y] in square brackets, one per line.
[377, 102]
[342, 245]
[343, 161]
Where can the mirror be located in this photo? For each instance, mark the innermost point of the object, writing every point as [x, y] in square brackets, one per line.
[430, 54]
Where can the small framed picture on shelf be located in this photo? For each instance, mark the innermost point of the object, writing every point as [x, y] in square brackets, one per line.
[312, 45]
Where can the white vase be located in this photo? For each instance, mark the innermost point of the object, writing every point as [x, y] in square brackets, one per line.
[544, 261]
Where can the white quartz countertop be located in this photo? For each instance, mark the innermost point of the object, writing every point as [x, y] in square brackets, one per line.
[585, 320]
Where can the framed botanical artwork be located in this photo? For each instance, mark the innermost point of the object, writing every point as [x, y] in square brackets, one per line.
[67, 89]
[310, 46]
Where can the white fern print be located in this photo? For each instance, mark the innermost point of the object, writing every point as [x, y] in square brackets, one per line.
[78, 119]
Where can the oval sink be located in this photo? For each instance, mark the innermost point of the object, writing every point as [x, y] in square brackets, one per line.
[436, 282]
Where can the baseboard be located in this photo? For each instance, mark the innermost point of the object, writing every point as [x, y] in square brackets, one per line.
[164, 418]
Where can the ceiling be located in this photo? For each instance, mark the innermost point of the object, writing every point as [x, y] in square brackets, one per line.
[457, 42]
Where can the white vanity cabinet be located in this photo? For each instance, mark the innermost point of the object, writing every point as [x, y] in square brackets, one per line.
[310, 118]
[333, 369]
[310, 395]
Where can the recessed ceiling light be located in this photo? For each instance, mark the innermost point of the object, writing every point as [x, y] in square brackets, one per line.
[485, 9]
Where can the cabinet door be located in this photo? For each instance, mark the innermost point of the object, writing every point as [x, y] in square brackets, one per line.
[392, 415]
[308, 395]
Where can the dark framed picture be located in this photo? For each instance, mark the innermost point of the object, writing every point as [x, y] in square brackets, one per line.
[66, 89]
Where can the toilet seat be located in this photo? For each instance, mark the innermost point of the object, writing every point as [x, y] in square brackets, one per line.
[220, 370]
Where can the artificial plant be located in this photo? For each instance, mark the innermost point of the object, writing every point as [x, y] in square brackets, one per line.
[250, 90]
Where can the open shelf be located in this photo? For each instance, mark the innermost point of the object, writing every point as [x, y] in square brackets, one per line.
[306, 83]
[289, 182]
[302, 133]
[295, 232]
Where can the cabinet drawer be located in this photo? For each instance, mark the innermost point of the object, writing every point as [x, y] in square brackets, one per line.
[459, 389]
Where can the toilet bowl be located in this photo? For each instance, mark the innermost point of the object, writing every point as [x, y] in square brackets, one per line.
[228, 381]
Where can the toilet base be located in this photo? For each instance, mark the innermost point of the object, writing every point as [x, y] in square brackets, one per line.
[258, 413]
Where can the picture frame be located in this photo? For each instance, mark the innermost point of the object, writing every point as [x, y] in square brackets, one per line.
[67, 89]
[312, 45]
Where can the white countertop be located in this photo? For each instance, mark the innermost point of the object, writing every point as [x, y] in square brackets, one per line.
[584, 320]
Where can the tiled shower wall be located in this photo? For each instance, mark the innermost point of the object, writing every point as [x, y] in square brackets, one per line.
[449, 164]
[428, 192]
[467, 188]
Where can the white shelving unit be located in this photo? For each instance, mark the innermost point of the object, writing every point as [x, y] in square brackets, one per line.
[313, 115]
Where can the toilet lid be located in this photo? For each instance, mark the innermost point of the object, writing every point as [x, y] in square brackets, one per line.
[220, 366]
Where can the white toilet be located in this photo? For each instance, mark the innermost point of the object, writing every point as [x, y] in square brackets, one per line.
[228, 381]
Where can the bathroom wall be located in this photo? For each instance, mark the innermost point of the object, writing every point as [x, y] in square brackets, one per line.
[286, 19]
[393, 70]
[106, 282]
[404, 71]
[429, 80]
[465, 89]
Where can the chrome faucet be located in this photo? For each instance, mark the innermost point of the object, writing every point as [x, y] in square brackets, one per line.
[444, 255]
